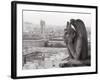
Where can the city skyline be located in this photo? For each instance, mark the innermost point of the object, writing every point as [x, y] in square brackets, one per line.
[54, 18]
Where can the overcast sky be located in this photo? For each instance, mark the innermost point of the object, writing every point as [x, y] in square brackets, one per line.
[55, 18]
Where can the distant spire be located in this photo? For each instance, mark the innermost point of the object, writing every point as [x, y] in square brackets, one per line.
[42, 24]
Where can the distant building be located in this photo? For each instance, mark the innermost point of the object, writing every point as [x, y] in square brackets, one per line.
[42, 24]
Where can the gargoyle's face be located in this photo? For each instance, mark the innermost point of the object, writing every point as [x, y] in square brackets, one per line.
[79, 26]
[76, 23]
[73, 22]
